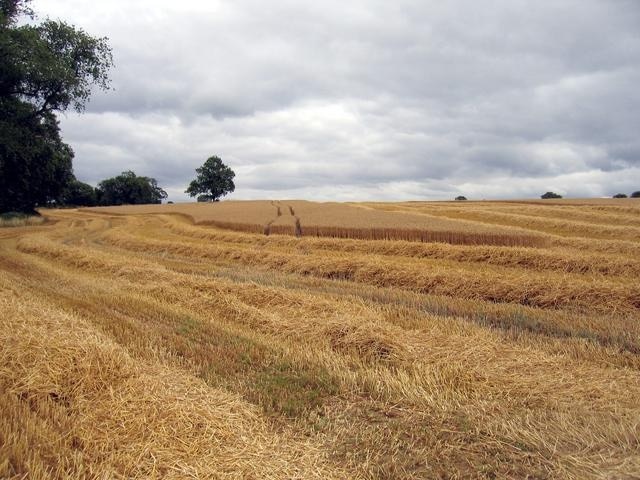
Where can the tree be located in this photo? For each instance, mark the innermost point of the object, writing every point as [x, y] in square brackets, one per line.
[214, 180]
[460, 198]
[635, 194]
[129, 189]
[620, 195]
[35, 165]
[550, 195]
[78, 194]
[44, 68]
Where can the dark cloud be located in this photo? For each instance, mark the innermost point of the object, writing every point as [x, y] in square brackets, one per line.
[367, 99]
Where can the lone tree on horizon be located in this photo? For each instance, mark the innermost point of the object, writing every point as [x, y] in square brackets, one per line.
[550, 195]
[214, 180]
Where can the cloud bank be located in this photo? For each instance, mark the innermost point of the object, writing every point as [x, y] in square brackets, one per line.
[366, 99]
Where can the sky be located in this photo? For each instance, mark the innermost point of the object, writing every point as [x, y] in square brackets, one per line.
[365, 100]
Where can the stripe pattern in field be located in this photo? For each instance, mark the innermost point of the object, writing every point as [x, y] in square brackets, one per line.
[144, 342]
[337, 220]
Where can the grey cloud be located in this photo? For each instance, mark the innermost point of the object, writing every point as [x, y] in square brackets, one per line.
[368, 99]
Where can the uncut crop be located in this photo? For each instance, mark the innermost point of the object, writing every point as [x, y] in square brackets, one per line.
[226, 341]
[338, 220]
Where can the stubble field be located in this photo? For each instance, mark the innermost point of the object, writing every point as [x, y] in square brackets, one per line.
[289, 339]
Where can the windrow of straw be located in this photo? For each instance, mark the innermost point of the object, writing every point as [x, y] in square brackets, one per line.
[76, 405]
[564, 227]
[346, 221]
[615, 331]
[336, 220]
[442, 278]
[564, 260]
[369, 373]
[242, 216]
[596, 214]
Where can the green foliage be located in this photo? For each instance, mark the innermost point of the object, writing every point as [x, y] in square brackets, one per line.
[214, 180]
[79, 194]
[52, 65]
[204, 198]
[635, 194]
[44, 68]
[620, 195]
[550, 195]
[129, 189]
[11, 10]
[35, 165]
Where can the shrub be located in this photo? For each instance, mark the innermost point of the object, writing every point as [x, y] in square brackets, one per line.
[460, 198]
[550, 195]
[620, 195]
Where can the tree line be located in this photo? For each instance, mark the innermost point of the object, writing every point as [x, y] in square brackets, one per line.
[45, 68]
[213, 180]
[48, 68]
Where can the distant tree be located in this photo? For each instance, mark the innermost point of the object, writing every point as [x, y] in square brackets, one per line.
[129, 189]
[620, 195]
[45, 68]
[635, 194]
[214, 180]
[204, 198]
[460, 198]
[169, 202]
[550, 195]
[79, 194]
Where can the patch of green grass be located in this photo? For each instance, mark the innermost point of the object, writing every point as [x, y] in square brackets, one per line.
[267, 379]
[187, 326]
[290, 390]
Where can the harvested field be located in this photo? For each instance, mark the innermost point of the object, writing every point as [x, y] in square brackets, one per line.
[338, 220]
[600, 220]
[291, 339]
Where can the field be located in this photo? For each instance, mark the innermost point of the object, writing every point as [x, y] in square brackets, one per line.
[291, 339]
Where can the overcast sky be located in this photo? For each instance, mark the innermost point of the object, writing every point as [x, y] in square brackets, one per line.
[358, 100]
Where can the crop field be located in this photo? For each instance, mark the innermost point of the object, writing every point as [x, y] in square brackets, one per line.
[338, 220]
[292, 339]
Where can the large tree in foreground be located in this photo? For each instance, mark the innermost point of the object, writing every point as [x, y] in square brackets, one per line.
[45, 68]
[214, 180]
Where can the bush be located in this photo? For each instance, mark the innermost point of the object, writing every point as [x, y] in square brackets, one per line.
[460, 198]
[619, 195]
[635, 194]
[550, 195]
